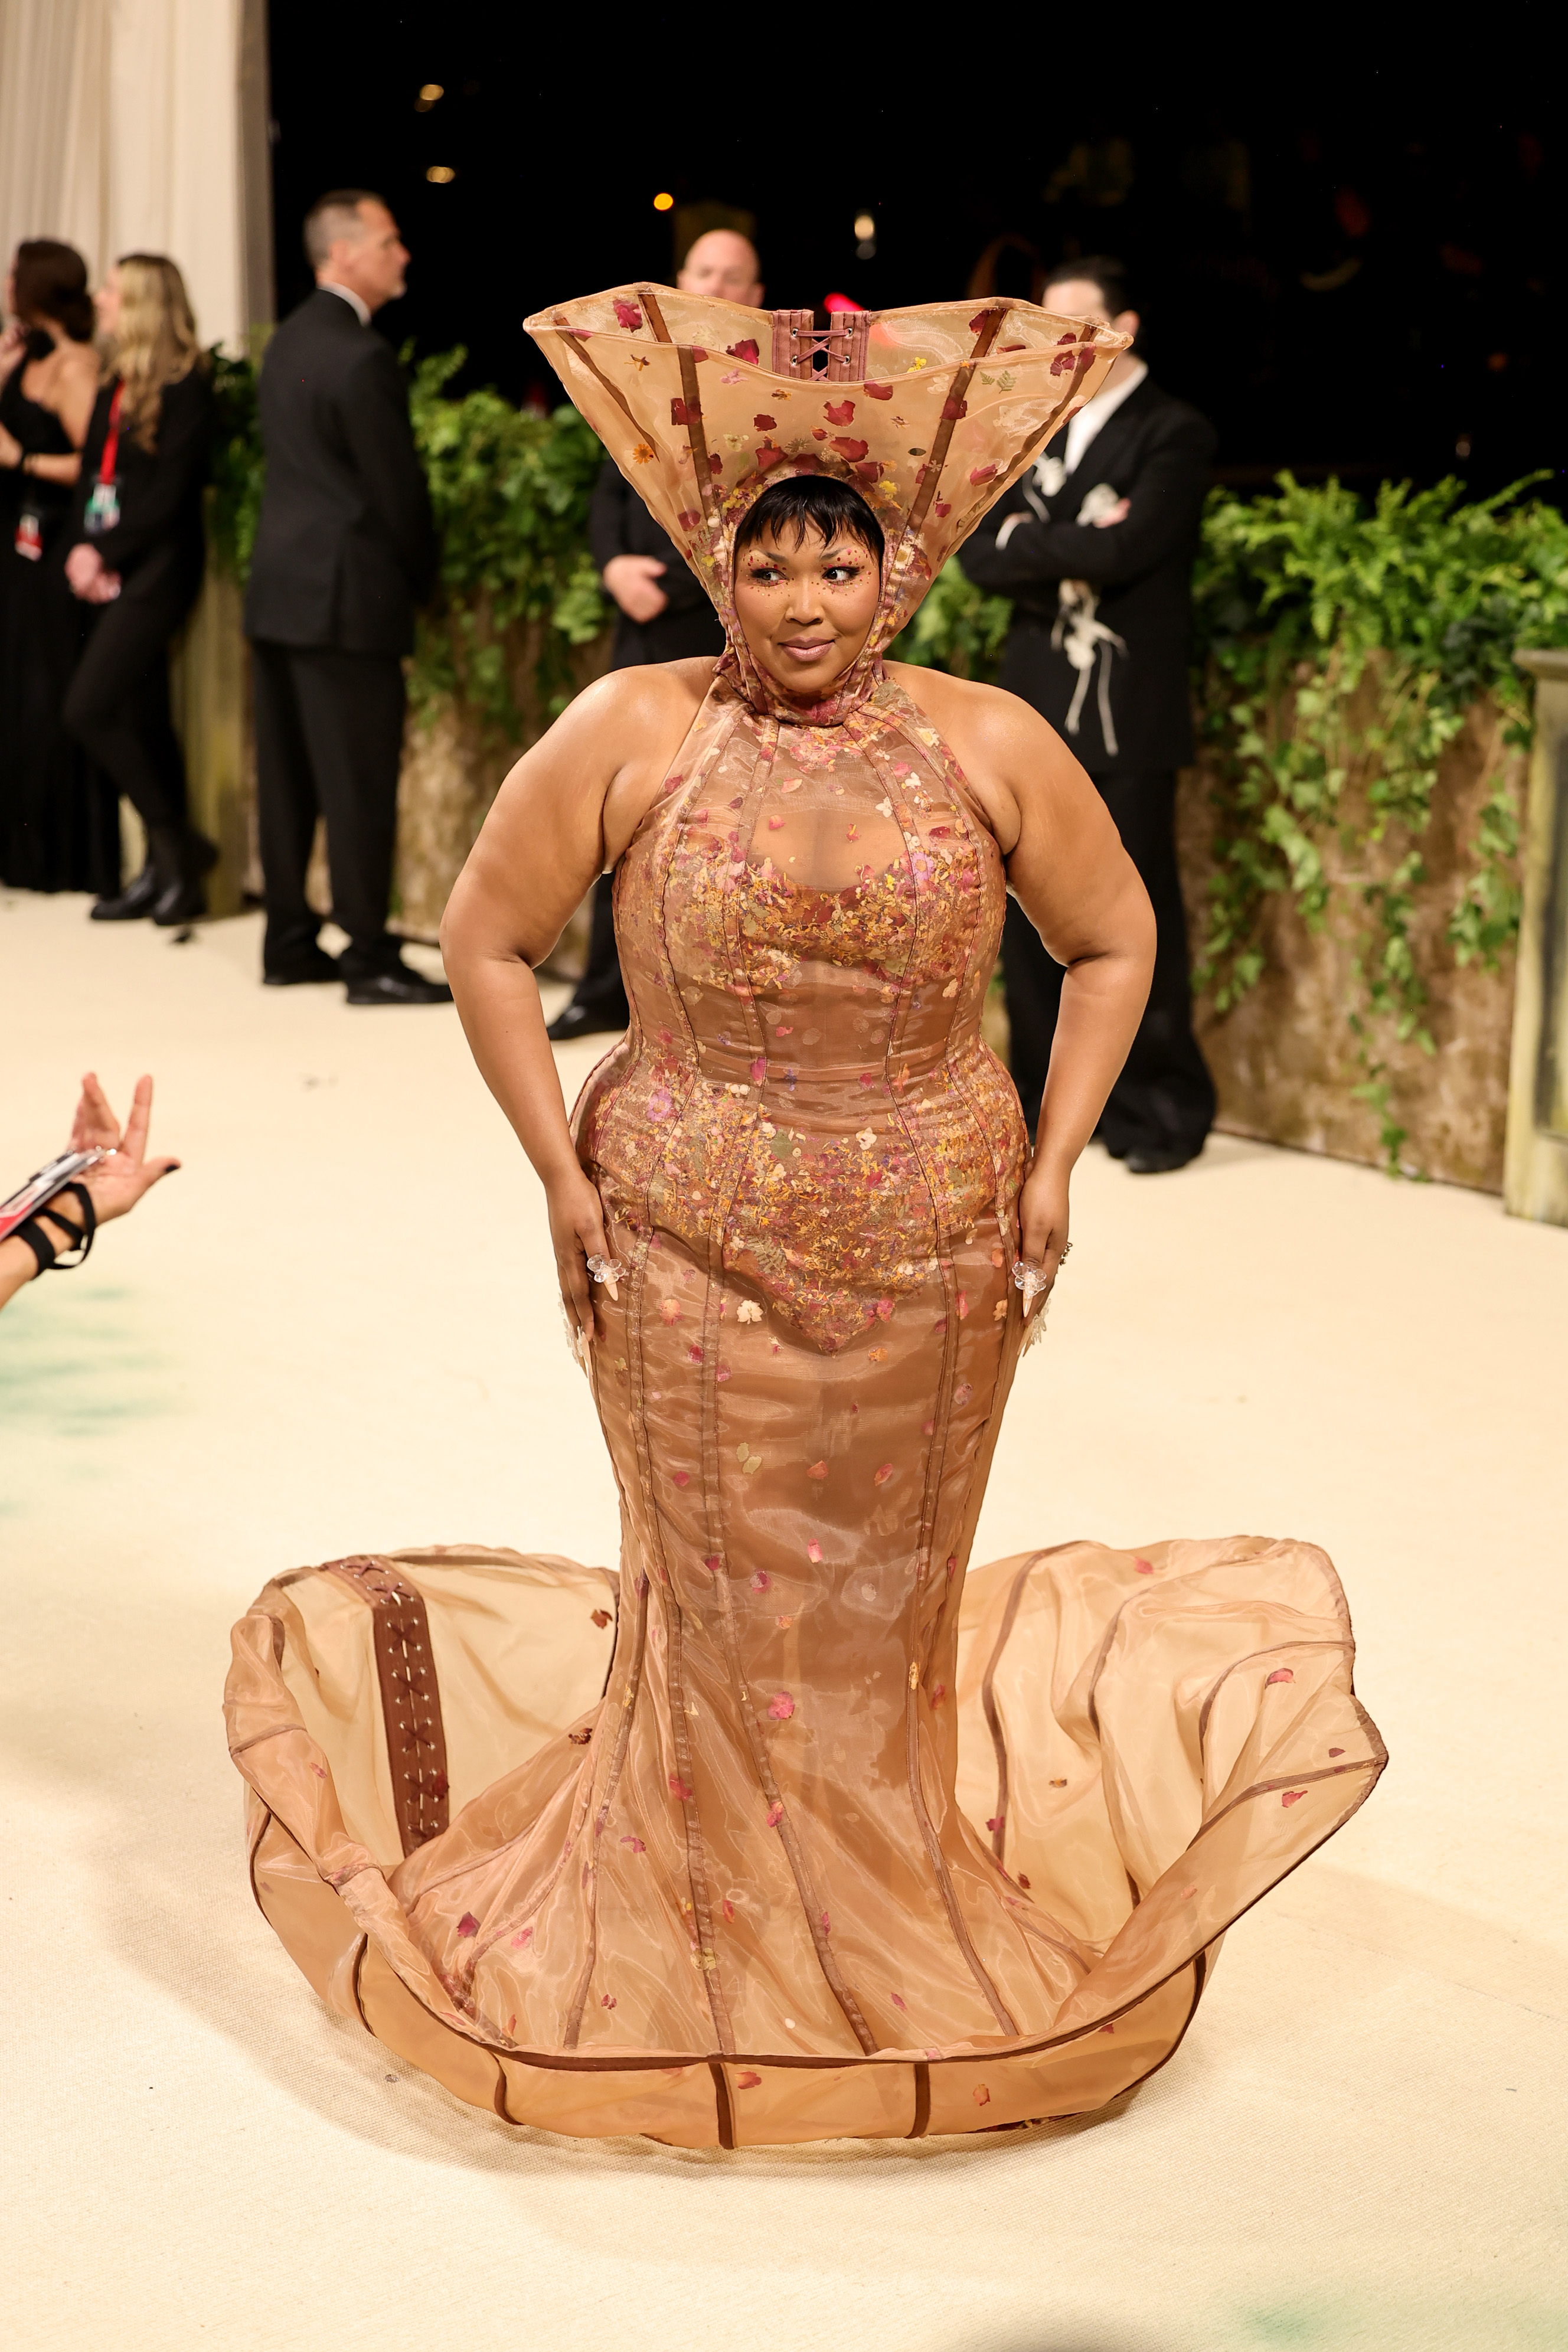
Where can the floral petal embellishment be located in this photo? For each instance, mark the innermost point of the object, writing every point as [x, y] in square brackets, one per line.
[467, 1925]
[748, 1311]
[977, 474]
[524, 1936]
[633, 1844]
[1336, 1751]
[629, 316]
[1280, 1674]
[838, 412]
[881, 1476]
[764, 424]
[1023, 1882]
[678, 1787]
[980, 2095]
[319, 1771]
[680, 1477]
[995, 1823]
[600, 1616]
[1188, 1892]
[670, 1310]
[1058, 1784]
[728, 1909]
[899, 2002]
[746, 351]
[951, 989]
[781, 1707]
[876, 391]
[851, 450]
[1292, 1796]
[1144, 1567]
[750, 2081]
[816, 1470]
[813, 1552]
[748, 1461]
[775, 1815]
[607, 2000]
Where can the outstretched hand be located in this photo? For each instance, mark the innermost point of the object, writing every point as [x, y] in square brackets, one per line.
[116, 1184]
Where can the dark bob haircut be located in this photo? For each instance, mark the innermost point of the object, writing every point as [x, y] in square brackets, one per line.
[812, 502]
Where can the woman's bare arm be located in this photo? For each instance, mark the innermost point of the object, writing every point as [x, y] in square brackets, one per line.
[1074, 881]
[70, 395]
[566, 810]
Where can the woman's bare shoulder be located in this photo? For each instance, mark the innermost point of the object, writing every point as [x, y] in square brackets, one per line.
[962, 706]
[650, 694]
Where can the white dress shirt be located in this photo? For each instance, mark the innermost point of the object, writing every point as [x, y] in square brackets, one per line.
[1098, 412]
[362, 311]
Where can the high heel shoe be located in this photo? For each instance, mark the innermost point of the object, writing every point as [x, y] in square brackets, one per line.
[184, 857]
[137, 899]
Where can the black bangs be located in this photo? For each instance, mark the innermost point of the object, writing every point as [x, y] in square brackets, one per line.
[814, 503]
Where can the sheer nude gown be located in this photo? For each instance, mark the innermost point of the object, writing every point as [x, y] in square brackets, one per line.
[798, 1828]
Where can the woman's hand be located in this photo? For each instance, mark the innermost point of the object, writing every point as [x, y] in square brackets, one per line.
[117, 1183]
[10, 450]
[576, 1234]
[83, 570]
[1043, 1217]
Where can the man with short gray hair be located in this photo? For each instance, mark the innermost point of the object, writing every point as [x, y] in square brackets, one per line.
[345, 551]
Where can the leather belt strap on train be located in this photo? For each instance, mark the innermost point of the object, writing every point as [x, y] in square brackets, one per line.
[410, 1695]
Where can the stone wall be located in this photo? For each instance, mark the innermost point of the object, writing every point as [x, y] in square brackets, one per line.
[1284, 1059]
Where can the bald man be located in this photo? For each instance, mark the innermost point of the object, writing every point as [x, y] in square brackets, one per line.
[664, 614]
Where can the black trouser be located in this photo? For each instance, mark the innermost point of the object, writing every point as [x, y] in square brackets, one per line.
[1165, 1097]
[117, 705]
[329, 739]
[601, 988]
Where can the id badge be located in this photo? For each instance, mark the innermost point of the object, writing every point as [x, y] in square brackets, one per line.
[102, 508]
[30, 539]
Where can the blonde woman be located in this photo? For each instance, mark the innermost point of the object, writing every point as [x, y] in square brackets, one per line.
[138, 561]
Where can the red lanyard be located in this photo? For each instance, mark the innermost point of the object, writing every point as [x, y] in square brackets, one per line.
[111, 440]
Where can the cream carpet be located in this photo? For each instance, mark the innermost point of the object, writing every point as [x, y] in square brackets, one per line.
[335, 1329]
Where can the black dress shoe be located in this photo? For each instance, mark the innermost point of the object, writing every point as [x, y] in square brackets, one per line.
[184, 858]
[583, 1020]
[137, 899]
[302, 971]
[401, 985]
[1157, 1160]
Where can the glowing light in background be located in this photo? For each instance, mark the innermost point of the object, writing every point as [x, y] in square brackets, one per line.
[428, 93]
[440, 173]
[663, 202]
[834, 303]
[864, 236]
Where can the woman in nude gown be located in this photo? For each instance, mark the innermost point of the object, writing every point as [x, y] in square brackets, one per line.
[796, 1828]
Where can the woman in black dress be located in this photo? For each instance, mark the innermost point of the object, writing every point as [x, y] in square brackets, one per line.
[60, 823]
[137, 562]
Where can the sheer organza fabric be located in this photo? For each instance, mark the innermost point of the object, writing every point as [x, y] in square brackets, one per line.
[795, 1828]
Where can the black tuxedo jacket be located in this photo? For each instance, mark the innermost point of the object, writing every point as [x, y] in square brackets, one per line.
[345, 547]
[1158, 453]
[619, 524]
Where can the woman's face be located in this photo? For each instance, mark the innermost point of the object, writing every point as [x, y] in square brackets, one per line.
[105, 302]
[806, 612]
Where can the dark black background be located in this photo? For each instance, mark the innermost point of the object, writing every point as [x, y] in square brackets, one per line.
[1420, 187]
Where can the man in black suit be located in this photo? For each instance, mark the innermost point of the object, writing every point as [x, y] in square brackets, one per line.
[345, 548]
[664, 614]
[1095, 546]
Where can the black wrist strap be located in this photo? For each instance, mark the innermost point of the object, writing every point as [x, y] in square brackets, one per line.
[79, 1238]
